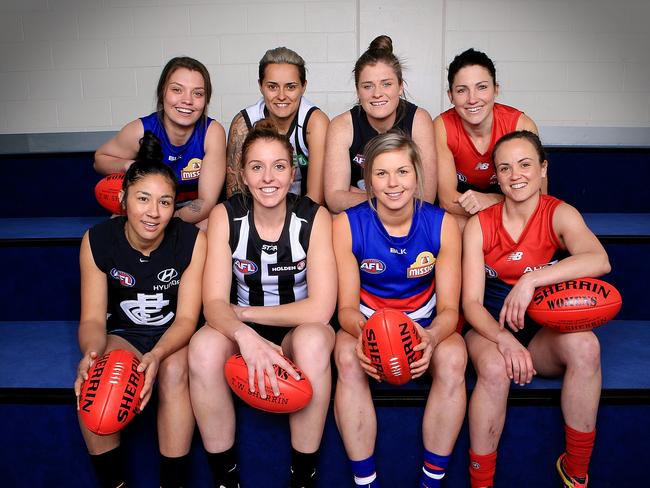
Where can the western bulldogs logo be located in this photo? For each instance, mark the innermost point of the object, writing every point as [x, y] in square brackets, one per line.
[167, 275]
[461, 177]
[372, 266]
[123, 277]
[491, 273]
[244, 266]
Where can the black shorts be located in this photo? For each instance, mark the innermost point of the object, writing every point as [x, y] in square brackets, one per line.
[143, 340]
[524, 336]
[272, 333]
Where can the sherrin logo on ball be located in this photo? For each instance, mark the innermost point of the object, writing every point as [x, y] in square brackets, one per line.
[294, 394]
[107, 192]
[389, 337]
[110, 397]
[575, 305]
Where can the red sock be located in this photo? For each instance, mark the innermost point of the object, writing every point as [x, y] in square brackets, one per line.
[578, 451]
[482, 468]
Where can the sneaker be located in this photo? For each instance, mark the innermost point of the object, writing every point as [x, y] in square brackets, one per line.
[568, 480]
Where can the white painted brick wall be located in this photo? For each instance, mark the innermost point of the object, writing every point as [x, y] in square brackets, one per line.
[77, 65]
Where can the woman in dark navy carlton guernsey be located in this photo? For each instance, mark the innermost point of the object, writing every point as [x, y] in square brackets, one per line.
[141, 291]
[194, 145]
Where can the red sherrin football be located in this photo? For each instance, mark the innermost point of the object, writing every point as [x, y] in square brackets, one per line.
[110, 397]
[294, 394]
[389, 337]
[575, 305]
[107, 192]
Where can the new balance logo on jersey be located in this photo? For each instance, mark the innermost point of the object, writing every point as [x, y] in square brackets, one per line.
[482, 166]
[244, 266]
[147, 310]
[123, 277]
[515, 256]
[372, 266]
[528, 269]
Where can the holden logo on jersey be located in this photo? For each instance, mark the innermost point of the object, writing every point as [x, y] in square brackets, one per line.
[490, 272]
[166, 275]
[359, 159]
[192, 170]
[528, 269]
[461, 177]
[482, 166]
[285, 269]
[147, 310]
[244, 266]
[515, 256]
[123, 277]
[372, 266]
[422, 266]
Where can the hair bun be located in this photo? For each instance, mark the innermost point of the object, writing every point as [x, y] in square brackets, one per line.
[150, 149]
[266, 124]
[381, 43]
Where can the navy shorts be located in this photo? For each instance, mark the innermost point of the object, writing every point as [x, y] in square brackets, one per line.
[143, 340]
[524, 336]
[271, 333]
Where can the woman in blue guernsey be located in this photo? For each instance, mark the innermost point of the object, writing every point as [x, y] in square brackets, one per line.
[418, 247]
[141, 291]
[194, 145]
[269, 288]
[509, 249]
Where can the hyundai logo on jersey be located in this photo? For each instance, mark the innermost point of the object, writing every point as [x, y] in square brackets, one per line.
[166, 275]
[123, 277]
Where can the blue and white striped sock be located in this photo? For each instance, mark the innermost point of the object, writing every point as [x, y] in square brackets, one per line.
[365, 473]
[433, 470]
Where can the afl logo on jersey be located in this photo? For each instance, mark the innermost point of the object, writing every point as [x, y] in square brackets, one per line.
[422, 266]
[372, 266]
[123, 277]
[491, 273]
[192, 170]
[244, 266]
[461, 177]
[359, 159]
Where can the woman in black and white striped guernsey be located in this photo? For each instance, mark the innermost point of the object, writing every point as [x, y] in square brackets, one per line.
[265, 247]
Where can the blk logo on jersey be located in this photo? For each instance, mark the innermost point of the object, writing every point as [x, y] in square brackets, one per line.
[482, 166]
[244, 266]
[461, 177]
[147, 310]
[422, 266]
[372, 266]
[192, 170]
[515, 256]
[123, 277]
[400, 251]
[285, 269]
[166, 275]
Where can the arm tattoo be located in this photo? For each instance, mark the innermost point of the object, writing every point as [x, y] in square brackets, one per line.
[195, 205]
[238, 132]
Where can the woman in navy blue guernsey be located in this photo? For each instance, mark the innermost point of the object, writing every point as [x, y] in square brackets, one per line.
[194, 145]
[141, 291]
[419, 248]
[382, 107]
[269, 288]
[509, 249]
[283, 81]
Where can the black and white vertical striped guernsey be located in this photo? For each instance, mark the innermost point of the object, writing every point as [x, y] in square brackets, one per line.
[269, 273]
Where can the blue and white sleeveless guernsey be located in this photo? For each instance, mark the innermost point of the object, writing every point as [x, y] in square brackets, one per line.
[397, 272]
[297, 135]
[185, 160]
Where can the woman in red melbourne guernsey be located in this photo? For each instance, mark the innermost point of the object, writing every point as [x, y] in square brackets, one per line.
[466, 134]
[194, 145]
[419, 248]
[382, 107]
[509, 249]
[278, 303]
[123, 263]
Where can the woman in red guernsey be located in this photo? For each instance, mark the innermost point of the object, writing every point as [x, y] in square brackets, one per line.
[466, 133]
[509, 250]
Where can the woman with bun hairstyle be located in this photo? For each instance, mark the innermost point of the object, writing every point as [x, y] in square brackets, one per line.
[382, 107]
[466, 134]
[279, 303]
[124, 306]
[283, 81]
[194, 145]
[419, 246]
[509, 249]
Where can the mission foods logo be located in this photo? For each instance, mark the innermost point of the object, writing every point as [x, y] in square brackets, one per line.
[422, 266]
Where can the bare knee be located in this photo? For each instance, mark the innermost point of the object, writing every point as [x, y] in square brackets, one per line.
[207, 353]
[347, 363]
[449, 362]
[493, 376]
[173, 373]
[583, 352]
[312, 345]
